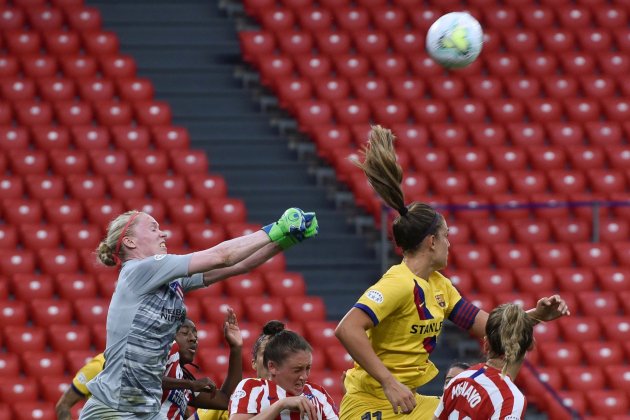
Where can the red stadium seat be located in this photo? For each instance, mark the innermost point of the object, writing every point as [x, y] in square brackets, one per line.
[618, 376]
[447, 88]
[349, 66]
[614, 279]
[552, 255]
[73, 113]
[113, 113]
[507, 158]
[490, 281]
[18, 391]
[512, 255]
[315, 19]
[320, 333]
[183, 210]
[81, 236]
[135, 89]
[84, 18]
[203, 236]
[583, 378]
[170, 137]
[277, 19]
[388, 112]
[215, 308]
[544, 158]
[32, 286]
[565, 134]
[523, 87]
[13, 313]
[593, 255]
[284, 284]
[109, 162]
[63, 338]
[22, 42]
[491, 232]
[25, 162]
[60, 42]
[39, 236]
[560, 354]
[607, 402]
[602, 354]
[530, 231]
[55, 261]
[302, 308]
[30, 113]
[79, 66]
[502, 64]
[89, 138]
[155, 208]
[72, 286]
[9, 365]
[83, 187]
[351, 111]
[163, 186]
[100, 43]
[95, 89]
[571, 230]
[546, 331]
[65, 162]
[22, 211]
[117, 66]
[406, 88]
[53, 387]
[449, 183]
[540, 64]
[259, 309]
[331, 88]
[43, 363]
[19, 339]
[586, 157]
[616, 328]
[575, 279]
[226, 210]
[91, 311]
[40, 187]
[577, 63]
[149, 161]
[602, 303]
[245, 285]
[8, 237]
[595, 86]
[17, 89]
[124, 187]
[12, 138]
[472, 256]
[579, 329]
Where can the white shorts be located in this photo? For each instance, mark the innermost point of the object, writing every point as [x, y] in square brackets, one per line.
[96, 410]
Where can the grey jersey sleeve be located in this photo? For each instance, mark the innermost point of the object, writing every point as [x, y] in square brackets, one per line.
[193, 282]
[153, 272]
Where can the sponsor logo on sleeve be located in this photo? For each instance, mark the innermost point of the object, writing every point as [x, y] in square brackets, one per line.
[375, 296]
[158, 257]
[238, 395]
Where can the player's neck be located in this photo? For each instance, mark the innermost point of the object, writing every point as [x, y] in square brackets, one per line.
[418, 265]
[498, 363]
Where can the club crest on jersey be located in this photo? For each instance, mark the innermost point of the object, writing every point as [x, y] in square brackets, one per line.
[440, 300]
[374, 295]
[176, 288]
[158, 257]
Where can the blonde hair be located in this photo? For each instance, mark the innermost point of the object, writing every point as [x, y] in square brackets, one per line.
[106, 250]
[385, 175]
[510, 333]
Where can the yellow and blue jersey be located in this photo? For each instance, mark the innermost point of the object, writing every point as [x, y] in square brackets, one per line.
[408, 313]
[87, 373]
[203, 414]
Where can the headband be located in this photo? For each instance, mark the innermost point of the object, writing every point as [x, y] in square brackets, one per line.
[122, 235]
[434, 222]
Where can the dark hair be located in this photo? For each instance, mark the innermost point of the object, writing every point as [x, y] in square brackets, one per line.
[282, 344]
[416, 221]
[271, 328]
[459, 365]
[510, 333]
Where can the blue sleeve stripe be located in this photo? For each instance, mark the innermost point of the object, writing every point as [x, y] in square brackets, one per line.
[463, 314]
[368, 311]
[74, 388]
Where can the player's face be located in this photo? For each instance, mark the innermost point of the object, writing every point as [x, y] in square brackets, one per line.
[293, 372]
[441, 247]
[147, 237]
[257, 363]
[186, 338]
[452, 372]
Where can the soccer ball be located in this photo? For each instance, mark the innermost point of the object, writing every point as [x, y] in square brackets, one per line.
[455, 40]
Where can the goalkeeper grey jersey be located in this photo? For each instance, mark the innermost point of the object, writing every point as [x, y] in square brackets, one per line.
[145, 312]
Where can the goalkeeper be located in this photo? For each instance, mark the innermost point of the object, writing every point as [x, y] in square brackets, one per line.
[148, 304]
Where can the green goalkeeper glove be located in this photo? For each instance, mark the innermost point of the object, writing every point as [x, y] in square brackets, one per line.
[291, 221]
[312, 229]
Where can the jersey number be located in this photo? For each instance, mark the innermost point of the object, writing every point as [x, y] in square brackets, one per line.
[369, 416]
[455, 416]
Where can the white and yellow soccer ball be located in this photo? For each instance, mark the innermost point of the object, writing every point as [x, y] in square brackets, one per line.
[455, 40]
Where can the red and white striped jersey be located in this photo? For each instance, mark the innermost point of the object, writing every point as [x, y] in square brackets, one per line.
[175, 401]
[481, 393]
[252, 396]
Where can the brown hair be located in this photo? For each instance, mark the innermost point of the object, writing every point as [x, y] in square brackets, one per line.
[282, 344]
[510, 333]
[270, 329]
[416, 221]
[106, 250]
